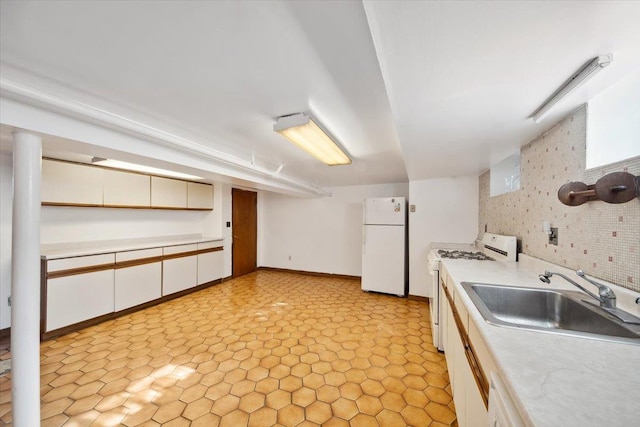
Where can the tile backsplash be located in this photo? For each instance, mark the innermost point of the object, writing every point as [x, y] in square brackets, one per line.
[600, 238]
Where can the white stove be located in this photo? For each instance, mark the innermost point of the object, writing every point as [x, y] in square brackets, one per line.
[494, 247]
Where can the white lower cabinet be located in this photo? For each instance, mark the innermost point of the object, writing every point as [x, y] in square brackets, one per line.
[502, 409]
[475, 411]
[180, 273]
[137, 285]
[210, 264]
[72, 299]
[76, 292]
[470, 407]
[461, 376]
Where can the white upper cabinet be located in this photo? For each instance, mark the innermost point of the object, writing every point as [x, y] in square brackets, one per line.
[199, 196]
[168, 193]
[70, 183]
[126, 189]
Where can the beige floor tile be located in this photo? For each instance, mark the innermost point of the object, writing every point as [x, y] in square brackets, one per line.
[440, 413]
[416, 416]
[263, 417]
[197, 408]
[169, 411]
[344, 408]
[318, 412]
[269, 348]
[303, 397]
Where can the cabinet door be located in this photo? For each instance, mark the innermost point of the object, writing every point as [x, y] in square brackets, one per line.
[168, 193]
[70, 183]
[137, 285]
[179, 274]
[477, 414]
[210, 266]
[450, 348]
[444, 324]
[462, 378]
[199, 196]
[72, 299]
[126, 189]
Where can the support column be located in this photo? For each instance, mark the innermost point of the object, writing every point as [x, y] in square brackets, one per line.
[25, 284]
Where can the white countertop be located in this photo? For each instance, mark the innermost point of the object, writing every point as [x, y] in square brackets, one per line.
[555, 380]
[74, 249]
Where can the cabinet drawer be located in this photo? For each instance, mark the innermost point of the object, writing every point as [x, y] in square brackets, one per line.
[210, 245]
[140, 254]
[79, 262]
[73, 299]
[171, 250]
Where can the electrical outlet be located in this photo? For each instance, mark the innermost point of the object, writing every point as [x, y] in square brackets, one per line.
[412, 208]
[228, 224]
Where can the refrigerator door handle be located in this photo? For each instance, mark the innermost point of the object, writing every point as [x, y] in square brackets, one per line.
[364, 212]
[364, 239]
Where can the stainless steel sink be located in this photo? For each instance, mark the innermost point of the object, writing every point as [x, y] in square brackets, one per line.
[549, 310]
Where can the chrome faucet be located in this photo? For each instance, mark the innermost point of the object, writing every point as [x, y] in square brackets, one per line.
[606, 296]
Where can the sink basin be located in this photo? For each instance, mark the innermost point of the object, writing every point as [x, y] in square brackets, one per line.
[549, 310]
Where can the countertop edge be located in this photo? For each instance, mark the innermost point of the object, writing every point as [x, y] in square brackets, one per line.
[76, 249]
[516, 362]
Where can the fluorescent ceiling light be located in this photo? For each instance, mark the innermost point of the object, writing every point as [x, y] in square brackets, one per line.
[577, 80]
[306, 134]
[117, 164]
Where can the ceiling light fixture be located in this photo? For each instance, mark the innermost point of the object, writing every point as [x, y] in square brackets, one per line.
[574, 82]
[304, 132]
[117, 164]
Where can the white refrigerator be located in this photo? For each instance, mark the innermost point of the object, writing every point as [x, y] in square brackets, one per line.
[384, 241]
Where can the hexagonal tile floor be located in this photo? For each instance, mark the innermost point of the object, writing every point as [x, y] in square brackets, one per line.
[269, 348]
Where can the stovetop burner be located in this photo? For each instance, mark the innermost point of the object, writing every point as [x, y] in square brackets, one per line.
[477, 256]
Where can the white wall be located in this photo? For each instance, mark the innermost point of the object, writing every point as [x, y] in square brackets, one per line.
[446, 211]
[77, 224]
[6, 206]
[222, 207]
[613, 123]
[320, 235]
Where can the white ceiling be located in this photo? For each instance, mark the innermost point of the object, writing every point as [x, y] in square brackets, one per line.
[413, 90]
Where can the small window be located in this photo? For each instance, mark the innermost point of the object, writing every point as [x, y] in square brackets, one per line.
[505, 176]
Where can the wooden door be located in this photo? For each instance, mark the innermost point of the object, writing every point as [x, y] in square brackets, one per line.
[244, 208]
